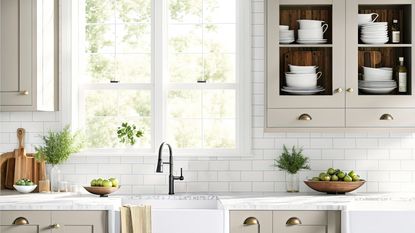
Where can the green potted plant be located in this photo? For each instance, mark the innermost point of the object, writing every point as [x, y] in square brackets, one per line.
[57, 148]
[128, 133]
[292, 162]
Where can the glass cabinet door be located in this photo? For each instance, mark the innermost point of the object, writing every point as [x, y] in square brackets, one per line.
[299, 48]
[373, 52]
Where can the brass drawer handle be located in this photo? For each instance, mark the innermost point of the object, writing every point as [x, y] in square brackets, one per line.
[305, 117]
[25, 92]
[293, 221]
[250, 221]
[55, 226]
[20, 221]
[386, 117]
[350, 90]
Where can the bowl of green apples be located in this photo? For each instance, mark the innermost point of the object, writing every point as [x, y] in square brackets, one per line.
[24, 186]
[103, 187]
[335, 181]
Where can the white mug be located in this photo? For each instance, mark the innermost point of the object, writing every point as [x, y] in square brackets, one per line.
[309, 24]
[366, 18]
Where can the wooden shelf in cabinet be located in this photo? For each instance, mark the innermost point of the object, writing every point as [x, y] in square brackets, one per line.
[385, 45]
[305, 45]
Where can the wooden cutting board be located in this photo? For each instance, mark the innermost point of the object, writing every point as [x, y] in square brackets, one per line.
[17, 165]
[369, 59]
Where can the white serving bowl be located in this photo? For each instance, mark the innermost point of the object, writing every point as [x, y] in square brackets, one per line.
[309, 24]
[302, 69]
[283, 27]
[302, 80]
[25, 188]
[384, 71]
[366, 18]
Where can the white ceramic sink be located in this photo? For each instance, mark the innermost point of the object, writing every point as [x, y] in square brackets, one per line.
[183, 214]
[379, 217]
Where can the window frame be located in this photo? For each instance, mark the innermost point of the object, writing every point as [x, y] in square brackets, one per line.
[71, 104]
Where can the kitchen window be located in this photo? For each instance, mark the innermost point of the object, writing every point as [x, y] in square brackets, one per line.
[178, 69]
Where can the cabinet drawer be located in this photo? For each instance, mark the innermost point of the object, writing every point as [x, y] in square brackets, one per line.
[320, 118]
[304, 229]
[366, 118]
[310, 221]
[32, 221]
[237, 219]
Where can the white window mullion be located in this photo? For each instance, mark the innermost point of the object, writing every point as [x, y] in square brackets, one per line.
[159, 70]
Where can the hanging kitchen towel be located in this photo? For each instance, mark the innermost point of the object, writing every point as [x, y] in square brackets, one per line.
[135, 219]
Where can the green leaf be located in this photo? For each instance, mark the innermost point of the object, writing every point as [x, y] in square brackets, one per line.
[293, 161]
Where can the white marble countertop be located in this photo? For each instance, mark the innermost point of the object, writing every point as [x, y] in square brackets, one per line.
[10, 200]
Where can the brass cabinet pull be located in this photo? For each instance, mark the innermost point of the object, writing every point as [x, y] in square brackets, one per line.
[338, 90]
[21, 221]
[350, 90]
[250, 221]
[293, 221]
[25, 92]
[386, 117]
[305, 117]
[55, 226]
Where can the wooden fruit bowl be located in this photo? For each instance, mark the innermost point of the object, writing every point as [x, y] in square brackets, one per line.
[334, 187]
[101, 191]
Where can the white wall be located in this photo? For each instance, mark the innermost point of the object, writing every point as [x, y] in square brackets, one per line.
[386, 160]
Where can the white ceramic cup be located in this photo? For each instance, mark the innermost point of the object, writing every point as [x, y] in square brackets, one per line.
[309, 24]
[302, 80]
[312, 33]
[366, 18]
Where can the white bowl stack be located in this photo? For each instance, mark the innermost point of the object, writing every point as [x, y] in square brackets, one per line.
[377, 80]
[286, 36]
[374, 33]
[302, 80]
[311, 31]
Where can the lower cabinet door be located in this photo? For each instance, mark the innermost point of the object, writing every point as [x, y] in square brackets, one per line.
[79, 222]
[306, 221]
[250, 221]
[24, 221]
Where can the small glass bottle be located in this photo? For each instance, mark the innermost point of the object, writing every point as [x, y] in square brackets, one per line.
[401, 76]
[395, 31]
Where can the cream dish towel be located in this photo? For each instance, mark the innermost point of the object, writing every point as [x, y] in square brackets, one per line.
[135, 219]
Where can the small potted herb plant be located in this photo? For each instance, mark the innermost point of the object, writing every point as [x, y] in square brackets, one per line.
[128, 133]
[57, 148]
[292, 162]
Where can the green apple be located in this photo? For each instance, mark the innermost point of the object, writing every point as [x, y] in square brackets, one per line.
[331, 171]
[334, 178]
[326, 178]
[94, 182]
[352, 173]
[356, 178]
[99, 182]
[341, 175]
[114, 182]
[321, 175]
[29, 183]
[106, 183]
[348, 179]
[315, 179]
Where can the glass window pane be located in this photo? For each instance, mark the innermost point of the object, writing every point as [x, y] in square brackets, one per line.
[219, 11]
[184, 104]
[99, 11]
[219, 104]
[100, 68]
[106, 110]
[219, 134]
[185, 68]
[100, 38]
[133, 68]
[219, 38]
[185, 39]
[189, 11]
[133, 38]
[137, 11]
[184, 133]
[219, 68]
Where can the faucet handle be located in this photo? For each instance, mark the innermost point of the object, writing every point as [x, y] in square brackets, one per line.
[181, 174]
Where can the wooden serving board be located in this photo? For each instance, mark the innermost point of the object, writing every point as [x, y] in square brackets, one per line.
[17, 165]
[369, 59]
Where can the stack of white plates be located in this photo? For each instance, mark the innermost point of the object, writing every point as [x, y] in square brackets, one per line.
[286, 36]
[374, 33]
[302, 80]
[377, 80]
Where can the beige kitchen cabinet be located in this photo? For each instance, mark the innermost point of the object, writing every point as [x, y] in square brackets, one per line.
[24, 221]
[29, 55]
[342, 104]
[53, 222]
[306, 222]
[250, 222]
